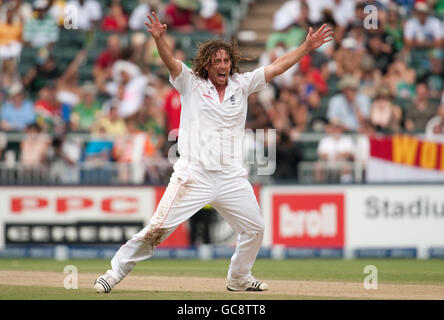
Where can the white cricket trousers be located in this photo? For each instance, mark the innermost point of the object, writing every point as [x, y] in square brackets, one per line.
[191, 187]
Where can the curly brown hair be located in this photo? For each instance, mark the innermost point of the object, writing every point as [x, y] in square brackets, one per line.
[208, 49]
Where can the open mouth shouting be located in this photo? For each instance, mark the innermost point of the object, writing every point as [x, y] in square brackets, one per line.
[222, 76]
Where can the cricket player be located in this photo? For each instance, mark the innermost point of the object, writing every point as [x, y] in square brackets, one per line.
[209, 170]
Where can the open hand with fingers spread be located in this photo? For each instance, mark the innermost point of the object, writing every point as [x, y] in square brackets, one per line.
[318, 38]
[155, 27]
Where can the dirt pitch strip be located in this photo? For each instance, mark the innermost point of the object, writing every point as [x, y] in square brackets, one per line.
[345, 290]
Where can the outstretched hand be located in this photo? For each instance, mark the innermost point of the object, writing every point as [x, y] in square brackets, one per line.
[318, 38]
[156, 28]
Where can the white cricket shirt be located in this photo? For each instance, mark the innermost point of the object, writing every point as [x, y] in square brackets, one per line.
[211, 132]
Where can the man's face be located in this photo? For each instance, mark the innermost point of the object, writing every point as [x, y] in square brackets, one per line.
[219, 69]
[350, 94]
[114, 44]
[422, 16]
[17, 99]
[422, 92]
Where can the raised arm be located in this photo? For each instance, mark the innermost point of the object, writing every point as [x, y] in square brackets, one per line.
[313, 41]
[158, 30]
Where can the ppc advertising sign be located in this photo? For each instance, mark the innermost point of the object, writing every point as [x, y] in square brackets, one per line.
[78, 215]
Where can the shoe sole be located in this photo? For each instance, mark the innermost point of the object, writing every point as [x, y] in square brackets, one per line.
[248, 289]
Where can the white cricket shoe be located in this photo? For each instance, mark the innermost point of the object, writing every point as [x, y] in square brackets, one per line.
[105, 283]
[249, 284]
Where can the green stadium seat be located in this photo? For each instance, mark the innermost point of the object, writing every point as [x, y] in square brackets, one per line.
[309, 150]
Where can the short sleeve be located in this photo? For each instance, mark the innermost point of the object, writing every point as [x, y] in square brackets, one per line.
[333, 108]
[365, 106]
[346, 145]
[409, 30]
[95, 10]
[253, 81]
[183, 81]
[437, 29]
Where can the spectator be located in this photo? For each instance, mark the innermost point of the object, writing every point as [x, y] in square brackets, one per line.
[89, 13]
[380, 51]
[22, 11]
[138, 15]
[350, 106]
[17, 112]
[128, 86]
[435, 74]
[43, 30]
[298, 105]
[341, 12]
[179, 15]
[138, 47]
[335, 154]
[57, 11]
[435, 126]
[401, 79]
[256, 116]
[34, 146]
[385, 116]
[69, 92]
[420, 110]
[422, 30]
[288, 156]
[210, 19]
[96, 158]
[313, 77]
[289, 24]
[128, 152]
[394, 27]
[370, 76]
[152, 58]
[47, 109]
[8, 75]
[116, 20]
[281, 117]
[10, 37]
[65, 160]
[362, 148]
[172, 107]
[111, 123]
[84, 114]
[151, 119]
[106, 59]
[348, 58]
[267, 57]
[44, 73]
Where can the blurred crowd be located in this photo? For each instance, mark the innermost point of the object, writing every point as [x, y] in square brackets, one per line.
[382, 74]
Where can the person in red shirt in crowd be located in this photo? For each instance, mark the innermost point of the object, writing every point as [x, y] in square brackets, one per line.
[179, 15]
[209, 18]
[116, 20]
[105, 60]
[312, 76]
[47, 109]
[172, 109]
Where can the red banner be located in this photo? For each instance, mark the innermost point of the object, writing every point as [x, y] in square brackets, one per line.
[409, 151]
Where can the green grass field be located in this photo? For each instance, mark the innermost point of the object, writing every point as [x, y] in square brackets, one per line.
[419, 272]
